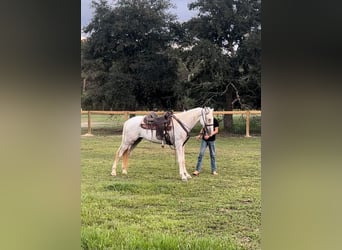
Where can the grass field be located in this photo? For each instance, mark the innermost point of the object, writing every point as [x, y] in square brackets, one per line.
[151, 208]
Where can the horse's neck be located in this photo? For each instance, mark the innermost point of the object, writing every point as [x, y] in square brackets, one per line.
[190, 117]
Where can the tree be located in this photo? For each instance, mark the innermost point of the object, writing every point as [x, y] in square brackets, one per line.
[129, 60]
[225, 54]
[130, 41]
[250, 70]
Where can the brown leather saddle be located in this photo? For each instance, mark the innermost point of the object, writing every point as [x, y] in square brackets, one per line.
[162, 124]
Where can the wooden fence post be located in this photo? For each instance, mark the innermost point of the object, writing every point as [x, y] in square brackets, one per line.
[126, 115]
[89, 125]
[248, 113]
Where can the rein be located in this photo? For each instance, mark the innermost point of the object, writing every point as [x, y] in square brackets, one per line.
[183, 127]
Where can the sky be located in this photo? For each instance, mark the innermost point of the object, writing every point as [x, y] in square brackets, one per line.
[181, 10]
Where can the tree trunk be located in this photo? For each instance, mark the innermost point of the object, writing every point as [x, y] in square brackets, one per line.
[84, 85]
[228, 119]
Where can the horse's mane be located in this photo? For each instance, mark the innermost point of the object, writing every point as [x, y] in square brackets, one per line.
[186, 116]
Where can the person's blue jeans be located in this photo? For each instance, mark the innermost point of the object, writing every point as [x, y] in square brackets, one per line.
[204, 145]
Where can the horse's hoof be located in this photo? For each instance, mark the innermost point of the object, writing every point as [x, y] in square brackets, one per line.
[113, 174]
[184, 179]
[124, 171]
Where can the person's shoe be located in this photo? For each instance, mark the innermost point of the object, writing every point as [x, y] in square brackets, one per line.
[196, 173]
[214, 173]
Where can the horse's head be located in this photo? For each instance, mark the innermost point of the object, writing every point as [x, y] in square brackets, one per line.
[207, 120]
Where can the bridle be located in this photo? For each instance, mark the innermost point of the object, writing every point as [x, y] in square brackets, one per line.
[204, 120]
[187, 131]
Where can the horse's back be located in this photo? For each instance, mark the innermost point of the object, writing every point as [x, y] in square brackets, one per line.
[132, 130]
[133, 123]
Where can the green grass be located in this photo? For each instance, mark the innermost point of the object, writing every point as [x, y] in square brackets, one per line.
[240, 124]
[151, 208]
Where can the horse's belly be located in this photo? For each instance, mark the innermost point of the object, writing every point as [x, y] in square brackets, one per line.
[150, 135]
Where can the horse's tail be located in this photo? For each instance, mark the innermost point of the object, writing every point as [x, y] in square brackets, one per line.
[124, 131]
[127, 145]
[127, 130]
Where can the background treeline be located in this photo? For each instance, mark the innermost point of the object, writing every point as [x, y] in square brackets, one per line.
[137, 56]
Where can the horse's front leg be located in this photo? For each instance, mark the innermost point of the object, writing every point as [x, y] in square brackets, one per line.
[184, 167]
[181, 163]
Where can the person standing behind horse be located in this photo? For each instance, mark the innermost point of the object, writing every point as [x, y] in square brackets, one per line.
[207, 141]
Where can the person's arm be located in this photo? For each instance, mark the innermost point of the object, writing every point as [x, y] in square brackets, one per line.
[206, 137]
[215, 131]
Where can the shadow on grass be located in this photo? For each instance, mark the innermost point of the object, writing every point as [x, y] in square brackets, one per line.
[147, 189]
[123, 187]
[102, 131]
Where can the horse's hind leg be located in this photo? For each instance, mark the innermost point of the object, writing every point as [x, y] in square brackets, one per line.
[125, 162]
[126, 155]
[118, 155]
[116, 160]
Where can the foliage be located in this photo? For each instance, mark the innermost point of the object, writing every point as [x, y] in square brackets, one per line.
[151, 208]
[138, 56]
[208, 69]
[249, 62]
[224, 60]
[130, 42]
